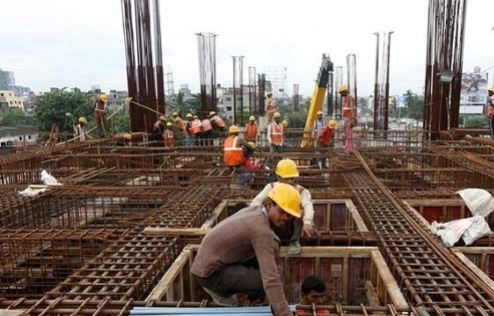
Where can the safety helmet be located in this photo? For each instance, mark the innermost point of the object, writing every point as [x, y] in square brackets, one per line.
[127, 136]
[268, 93]
[342, 88]
[287, 198]
[252, 118]
[284, 123]
[103, 98]
[252, 146]
[287, 168]
[491, 89]
[174, 114]
[82, 119]
[233, 129]
[189, 115]
[276, 115]
[332, 123]
[320, 113]
[196, 117]
[169, 124]
[162, 118]
[212, 113]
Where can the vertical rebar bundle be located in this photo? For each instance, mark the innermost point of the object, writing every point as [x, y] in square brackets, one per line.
[252, 91]
[445, 40]
[296, 96]
[262, 92]
[351, 68]
[143, 55]
[238, 82]
[206, 45]
[381, 81]
[338, 81]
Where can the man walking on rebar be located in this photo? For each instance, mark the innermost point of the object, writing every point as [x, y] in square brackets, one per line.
[490, 111]
[100, 114]
[349, 113]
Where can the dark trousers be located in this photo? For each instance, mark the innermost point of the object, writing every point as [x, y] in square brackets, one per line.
[491, 126]
[235, 278]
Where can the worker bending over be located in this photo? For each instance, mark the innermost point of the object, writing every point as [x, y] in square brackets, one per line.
[220, 265]
[326, 138]
[287, 172]
[159, 129]
[233, 155]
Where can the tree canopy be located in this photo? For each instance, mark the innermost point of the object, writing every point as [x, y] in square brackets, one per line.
[63, 108]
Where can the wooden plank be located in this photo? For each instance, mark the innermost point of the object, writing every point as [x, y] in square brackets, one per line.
[346, 280]
[163, 231]
[214, 218]
[356, 216]
[484, 277]
[332, 252]
[371, 293]
[389, 281]
[434, 202]
[166, 283]
[474, 250]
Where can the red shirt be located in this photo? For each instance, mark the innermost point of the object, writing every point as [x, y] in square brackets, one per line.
[326, 137]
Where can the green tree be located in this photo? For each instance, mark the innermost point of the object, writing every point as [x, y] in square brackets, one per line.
[476, 122]
[62, 108]
[14, 116]
[415, 105]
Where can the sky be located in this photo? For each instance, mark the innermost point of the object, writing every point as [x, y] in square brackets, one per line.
[58, 43]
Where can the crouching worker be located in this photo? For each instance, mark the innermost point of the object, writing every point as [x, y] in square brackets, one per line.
[313, 293]
[246, 172]
[220, 265]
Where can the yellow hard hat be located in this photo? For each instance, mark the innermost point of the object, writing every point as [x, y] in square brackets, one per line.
[177, 120]
[320, 113]
[287, 168]
[269, 93]
[82, 119]
[287, 198]
[169, 124]
[491, 89]
[276, 115]
[284, 123]
[252, 146]
[174, 114]
[212, 113]
[332, 123]
[127, 136]
[189, 115]
[103, 98]
[252, 118]
[196, 117]
[233, 129]
[162, 118]
[342, 88]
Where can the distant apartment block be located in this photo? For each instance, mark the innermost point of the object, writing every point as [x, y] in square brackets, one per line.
[8, 97]
[116, 99]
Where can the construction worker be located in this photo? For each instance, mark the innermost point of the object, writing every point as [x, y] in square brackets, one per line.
[349, 113]
[326, 137]
[207, 132]
[99, 109]
[490, 111]
[271, 106]
[251, 131]
[81, 130]
[319, 125]
[221, 264]
[216, 121]
[275, 135]
[287, 172]
[233, 155]
[313, 293]
[178, 120]
[158, 130]
[246, 172]
[190, 130]
[168, 137]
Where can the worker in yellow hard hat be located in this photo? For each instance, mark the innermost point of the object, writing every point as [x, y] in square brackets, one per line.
[490, 111]
[270, 106]
[349, 113]
[319, 124]
[81, 130]
[158, 130]
[287, 173]
[246, 171]
[251, 131]
[326, 139]
[220, 265]
[274, 135]
[178, 120]
[233, 154]
[192, 130]
[99, 109]
[168, 135]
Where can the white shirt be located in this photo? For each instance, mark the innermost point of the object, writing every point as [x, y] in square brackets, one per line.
[306, 201]
[81, 132]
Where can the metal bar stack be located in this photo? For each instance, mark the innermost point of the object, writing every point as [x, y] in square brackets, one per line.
[206, 45]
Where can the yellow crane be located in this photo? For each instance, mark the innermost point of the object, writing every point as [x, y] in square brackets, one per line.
[317, 98]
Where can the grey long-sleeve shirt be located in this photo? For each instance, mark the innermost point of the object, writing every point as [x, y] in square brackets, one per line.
[239, 238]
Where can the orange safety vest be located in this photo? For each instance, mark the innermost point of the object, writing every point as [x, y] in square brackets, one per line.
[234, 154]
[206, 125]
[250, 131]
[169, 138]
[180, 123]
[218, 121]
[195, 127]
[276, 133]
[347, 107]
